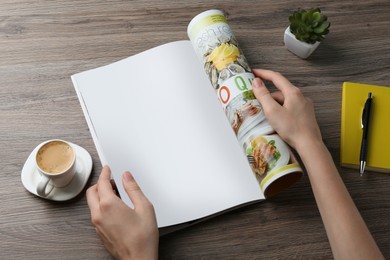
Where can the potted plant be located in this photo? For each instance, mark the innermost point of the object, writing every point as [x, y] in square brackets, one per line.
[307, 29]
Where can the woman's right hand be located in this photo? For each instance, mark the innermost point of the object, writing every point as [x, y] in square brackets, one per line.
[287, 110]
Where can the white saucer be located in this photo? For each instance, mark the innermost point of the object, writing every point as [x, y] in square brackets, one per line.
[31, 176]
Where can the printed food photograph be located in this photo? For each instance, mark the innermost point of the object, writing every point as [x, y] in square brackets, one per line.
[241, 108]
[223, 61]
[266, 153]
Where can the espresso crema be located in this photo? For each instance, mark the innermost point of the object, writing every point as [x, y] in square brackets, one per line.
[55, 157]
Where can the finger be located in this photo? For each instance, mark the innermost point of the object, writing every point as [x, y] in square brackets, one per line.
[93, 200]
[104, 187]
[276, 78]
[278, 96]
[263, 95]
[133, 190]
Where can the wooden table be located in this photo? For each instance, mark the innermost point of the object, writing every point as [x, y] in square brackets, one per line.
[43, 42]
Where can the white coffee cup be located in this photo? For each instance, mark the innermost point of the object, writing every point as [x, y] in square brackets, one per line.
[55, 161]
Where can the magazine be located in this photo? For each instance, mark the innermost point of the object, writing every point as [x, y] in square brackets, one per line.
[183, 119]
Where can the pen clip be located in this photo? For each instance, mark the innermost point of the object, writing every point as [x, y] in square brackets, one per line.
[364, 113]
[363, 117]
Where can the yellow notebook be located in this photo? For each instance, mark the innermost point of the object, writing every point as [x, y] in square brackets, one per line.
[353, 98]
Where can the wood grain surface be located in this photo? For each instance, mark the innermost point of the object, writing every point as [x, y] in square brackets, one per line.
[43, 42]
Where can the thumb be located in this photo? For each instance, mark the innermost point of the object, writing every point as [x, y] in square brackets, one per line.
[133, 190]
[265, 98]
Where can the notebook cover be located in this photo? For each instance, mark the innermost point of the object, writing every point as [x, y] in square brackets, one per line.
[354, 96]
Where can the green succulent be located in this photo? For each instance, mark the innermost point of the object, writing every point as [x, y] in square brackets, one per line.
[309, 26]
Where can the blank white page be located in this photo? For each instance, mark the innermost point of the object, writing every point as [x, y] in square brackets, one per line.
[157, 115]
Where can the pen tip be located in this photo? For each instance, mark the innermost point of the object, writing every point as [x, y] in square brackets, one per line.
[362, 166]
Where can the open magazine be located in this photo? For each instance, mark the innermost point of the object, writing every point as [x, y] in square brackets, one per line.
[157, 114]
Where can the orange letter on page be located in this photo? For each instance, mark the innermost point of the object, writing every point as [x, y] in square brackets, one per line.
[224, 94]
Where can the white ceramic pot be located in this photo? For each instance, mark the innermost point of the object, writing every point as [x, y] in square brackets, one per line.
[299, 48]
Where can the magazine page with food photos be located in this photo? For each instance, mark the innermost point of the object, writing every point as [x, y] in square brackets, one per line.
[270, 158]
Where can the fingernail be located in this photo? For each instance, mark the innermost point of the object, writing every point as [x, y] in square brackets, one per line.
[257, 83]
[127, 176]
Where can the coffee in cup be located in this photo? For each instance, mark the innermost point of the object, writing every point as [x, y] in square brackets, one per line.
[55, 157]
[55, 160]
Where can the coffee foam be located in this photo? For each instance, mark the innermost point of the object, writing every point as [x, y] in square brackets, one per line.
[55, 157]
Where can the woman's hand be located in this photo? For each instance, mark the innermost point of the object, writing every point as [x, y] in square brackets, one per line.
[127, 233]
[292, 116]
[287, 110]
